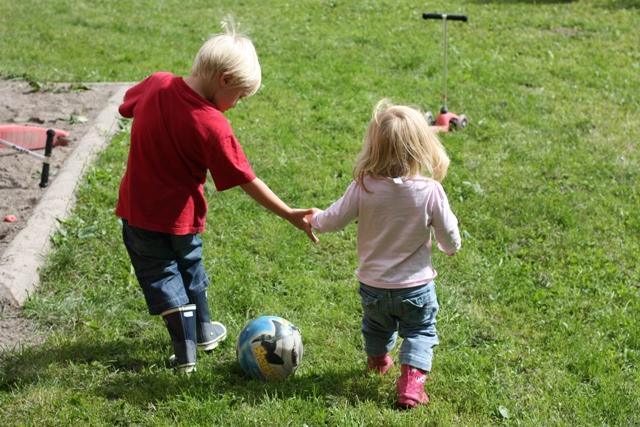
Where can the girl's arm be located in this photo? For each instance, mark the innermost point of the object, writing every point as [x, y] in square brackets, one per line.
[339, 214]
[261, 193]
[444, 222]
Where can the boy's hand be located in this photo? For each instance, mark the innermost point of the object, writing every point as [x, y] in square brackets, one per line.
[314, 211]
[298, 218]
[262, 194]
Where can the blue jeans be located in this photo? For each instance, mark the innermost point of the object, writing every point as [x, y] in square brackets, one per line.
[169, 268]
[410, 313]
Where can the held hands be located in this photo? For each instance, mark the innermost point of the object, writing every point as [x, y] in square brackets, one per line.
[314, 211]
[301, 218]
[261, 193]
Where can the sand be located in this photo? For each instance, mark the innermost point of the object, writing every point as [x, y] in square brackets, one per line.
[70, 107]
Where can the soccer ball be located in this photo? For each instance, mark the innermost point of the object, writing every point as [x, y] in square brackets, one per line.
[269, 348]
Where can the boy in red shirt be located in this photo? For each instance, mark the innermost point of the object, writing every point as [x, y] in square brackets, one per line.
[179, 133]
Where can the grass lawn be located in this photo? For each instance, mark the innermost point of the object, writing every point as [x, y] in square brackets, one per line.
[539, 320]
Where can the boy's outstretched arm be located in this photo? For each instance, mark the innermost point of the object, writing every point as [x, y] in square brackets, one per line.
[261, 193]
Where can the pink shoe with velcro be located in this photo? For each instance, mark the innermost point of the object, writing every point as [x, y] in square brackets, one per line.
[411, 387]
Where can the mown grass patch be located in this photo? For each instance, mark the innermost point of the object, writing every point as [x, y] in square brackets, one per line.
[538, 318]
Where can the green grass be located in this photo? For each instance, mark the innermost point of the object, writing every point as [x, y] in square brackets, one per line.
[539, 312]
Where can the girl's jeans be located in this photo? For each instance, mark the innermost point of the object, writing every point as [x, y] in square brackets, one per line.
[168, 267]
[410, 313]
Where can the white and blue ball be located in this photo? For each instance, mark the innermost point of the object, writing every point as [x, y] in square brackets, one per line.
[269, 348]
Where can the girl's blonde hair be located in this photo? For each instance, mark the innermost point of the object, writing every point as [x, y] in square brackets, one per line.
[229, 52]
[400, 143]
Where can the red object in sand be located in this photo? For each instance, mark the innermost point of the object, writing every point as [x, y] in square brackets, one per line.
[31, 137]
[10, 218]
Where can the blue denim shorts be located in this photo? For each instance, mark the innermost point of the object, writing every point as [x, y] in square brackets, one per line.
[409, 313]
[169, 268]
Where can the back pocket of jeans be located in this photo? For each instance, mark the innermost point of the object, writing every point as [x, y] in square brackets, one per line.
[419, 309]
[369, 302]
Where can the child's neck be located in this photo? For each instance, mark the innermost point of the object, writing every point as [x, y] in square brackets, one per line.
[199, 86]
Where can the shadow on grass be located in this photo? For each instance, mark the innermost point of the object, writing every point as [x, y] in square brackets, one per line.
[226, 381]
[128, 369]
[32, 364]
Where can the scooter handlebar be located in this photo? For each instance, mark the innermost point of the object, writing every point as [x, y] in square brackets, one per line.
[462, 18]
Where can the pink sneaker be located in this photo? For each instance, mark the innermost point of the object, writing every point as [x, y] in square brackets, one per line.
[411, 387]
[380, 363]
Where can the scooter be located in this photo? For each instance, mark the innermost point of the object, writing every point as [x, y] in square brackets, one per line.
[446, 121]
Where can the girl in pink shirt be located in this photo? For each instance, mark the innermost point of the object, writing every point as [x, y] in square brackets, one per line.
[398, 202]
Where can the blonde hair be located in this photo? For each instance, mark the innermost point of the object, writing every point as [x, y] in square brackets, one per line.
[229, 52]
[400, 143]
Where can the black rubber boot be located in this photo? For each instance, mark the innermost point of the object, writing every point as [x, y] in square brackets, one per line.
[181, 324]
[209, 333]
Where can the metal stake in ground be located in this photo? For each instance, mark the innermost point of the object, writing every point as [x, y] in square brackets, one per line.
[44, 176]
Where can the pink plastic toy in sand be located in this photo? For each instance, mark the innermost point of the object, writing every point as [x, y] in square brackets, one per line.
[25, 139]
[31, 137]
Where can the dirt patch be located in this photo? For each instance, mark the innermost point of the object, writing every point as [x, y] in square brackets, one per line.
[70, 107]
[16, 331]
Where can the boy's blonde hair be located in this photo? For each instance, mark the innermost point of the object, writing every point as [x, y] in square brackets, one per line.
[400, 143]
[229, 52]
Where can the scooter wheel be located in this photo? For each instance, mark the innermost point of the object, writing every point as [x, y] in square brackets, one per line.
[453, 124]
[464, 122]
[429, 118]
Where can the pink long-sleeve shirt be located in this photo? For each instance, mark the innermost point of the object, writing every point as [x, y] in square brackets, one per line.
[395, 220]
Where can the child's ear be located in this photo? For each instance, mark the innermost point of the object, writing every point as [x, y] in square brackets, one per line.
[225, 79]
